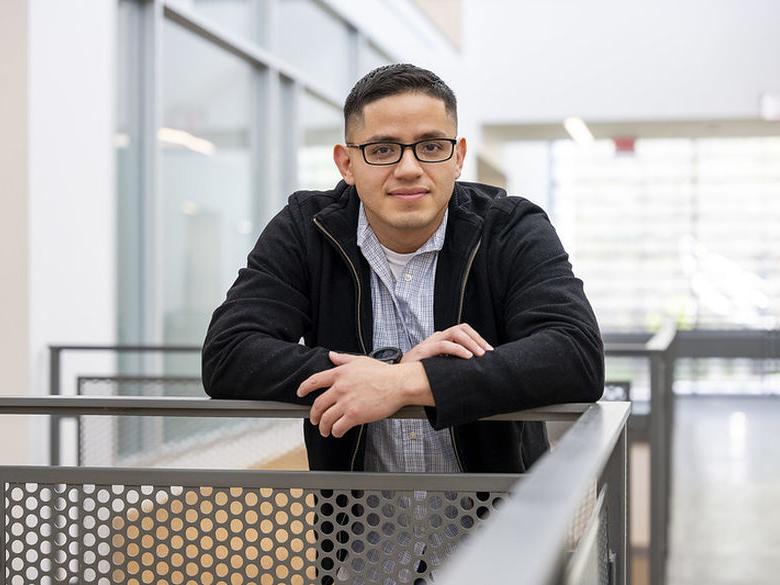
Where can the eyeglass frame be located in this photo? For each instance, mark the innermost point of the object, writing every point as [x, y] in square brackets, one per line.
[412, 145]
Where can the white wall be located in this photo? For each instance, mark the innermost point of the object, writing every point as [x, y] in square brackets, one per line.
[402, 30]
[604, 60]
[72, 188]
[14, 322]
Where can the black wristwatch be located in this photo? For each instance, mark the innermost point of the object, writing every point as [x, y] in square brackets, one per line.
[389, 355]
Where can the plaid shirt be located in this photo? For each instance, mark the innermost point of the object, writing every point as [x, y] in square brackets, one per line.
[403, 317]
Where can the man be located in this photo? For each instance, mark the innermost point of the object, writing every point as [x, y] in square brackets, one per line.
[469, 292]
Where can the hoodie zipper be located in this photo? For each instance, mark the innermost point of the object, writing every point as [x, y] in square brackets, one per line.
[460, 317]
[465, 279]
[359, 294]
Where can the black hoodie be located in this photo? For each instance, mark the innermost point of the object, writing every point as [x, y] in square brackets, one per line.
[502, 269]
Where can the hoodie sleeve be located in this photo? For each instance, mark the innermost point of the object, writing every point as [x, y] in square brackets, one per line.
[251, 349]
[552, 350]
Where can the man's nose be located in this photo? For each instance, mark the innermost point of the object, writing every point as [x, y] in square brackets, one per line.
[408, 165]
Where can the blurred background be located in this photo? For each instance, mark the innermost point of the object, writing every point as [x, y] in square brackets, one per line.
[144, 144]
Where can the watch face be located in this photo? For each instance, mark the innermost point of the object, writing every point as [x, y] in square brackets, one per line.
[386, 354]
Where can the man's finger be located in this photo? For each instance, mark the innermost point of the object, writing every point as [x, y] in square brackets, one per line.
[341, 426]
[323, 402]
[324, 379]
[474, 335]
[329, 417]
[342, 358]
[462, 337]
[446, 347]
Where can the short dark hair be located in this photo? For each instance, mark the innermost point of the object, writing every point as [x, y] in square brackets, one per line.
[395, 79]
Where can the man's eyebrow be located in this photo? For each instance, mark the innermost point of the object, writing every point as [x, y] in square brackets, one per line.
[391, 138]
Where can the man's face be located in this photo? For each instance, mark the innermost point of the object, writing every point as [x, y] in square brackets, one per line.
[404, 202]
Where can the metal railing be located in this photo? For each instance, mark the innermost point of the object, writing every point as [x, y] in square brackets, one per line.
[122, 525]
[757, 344]
[656, 426]
[526, 543]
[56, 355]
[661, 350]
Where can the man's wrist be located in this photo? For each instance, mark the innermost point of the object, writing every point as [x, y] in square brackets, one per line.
[415, 388]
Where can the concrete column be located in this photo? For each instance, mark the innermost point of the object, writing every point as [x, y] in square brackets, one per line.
[72, 192]
[57, 199]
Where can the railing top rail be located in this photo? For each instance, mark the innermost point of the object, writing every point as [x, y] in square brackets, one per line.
[616, 343]
[660, 342]
[207, 407]
[626, 349]
[140, 378]
[249, 478]
[532, 526]
[725, 343]
[128, 348]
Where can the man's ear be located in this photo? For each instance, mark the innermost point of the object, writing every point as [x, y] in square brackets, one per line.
[343, 162]
[460, 156]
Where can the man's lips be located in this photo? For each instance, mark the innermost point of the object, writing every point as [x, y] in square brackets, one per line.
[409, 194]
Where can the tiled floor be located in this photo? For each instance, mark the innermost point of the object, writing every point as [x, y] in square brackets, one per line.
[726, 492]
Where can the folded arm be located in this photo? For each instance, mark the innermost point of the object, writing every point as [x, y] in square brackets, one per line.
[552, 352]
[251, 349]
[361, 390]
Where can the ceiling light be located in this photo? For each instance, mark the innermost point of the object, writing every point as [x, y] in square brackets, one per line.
[187, 140]
[578, 130]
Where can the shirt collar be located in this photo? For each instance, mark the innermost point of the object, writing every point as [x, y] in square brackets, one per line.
[434, 244]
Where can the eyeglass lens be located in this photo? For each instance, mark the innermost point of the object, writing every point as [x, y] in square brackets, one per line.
[426, 151]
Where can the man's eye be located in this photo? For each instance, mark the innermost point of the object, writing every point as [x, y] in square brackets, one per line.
[380, 149]
[432, 146]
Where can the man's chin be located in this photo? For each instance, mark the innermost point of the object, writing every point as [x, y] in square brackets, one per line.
[414, 221]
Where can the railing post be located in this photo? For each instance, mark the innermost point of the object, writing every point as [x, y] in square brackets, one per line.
[658, 465]
[4, 523]
[615, 478]
[55, 354]
[670, 363]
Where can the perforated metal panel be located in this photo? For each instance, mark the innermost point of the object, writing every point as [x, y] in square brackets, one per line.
[394, 537]
[106, 534]
[590, 561]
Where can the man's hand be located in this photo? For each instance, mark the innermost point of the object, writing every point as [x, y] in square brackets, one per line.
[460, 341]
[362, 390]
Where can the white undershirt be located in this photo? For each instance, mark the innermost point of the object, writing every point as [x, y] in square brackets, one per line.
[396, 261]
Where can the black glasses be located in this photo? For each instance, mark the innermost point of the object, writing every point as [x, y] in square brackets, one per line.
[432, 150]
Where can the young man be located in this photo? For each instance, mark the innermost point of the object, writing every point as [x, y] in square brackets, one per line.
[408, 289]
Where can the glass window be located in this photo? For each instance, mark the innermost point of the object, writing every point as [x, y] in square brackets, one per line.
[733, 255]
[682, 229]
[307, 29]
[245, 18]
[207, 191]
[323, 127]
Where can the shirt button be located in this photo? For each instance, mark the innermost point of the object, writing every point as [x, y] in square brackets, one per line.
[408, 277]
[412, 435]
